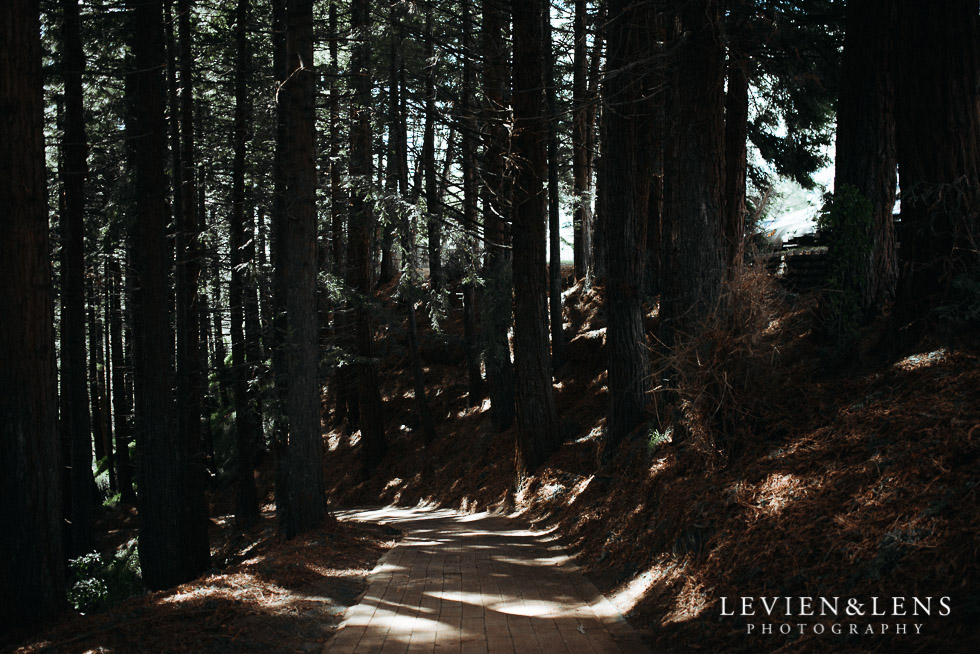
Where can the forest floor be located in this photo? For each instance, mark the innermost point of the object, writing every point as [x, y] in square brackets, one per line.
[785, 470]
[788, 470]
[263, 595]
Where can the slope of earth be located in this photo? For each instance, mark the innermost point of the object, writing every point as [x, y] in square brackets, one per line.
[785, 472]
[268, 595]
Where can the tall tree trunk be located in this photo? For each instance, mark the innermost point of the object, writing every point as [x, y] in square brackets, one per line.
[432, 208]
[694, 179]
[121, 399]
[470, 213]
[389, 258]
[361, 226]
[537, 417]
[189, 374]
[583, 126]
[73, 367]
[938, 134]
[246, 417]
[101, 430]
[736, 133]
[302, 506]
[554, 231]
[497, 295]
[591, 236]
[170, 552]
[345, 378]
[866, 155]
[627, 132]
[32, 584]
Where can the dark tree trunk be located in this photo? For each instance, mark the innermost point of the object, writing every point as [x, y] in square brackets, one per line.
[345, 378]
[592, 237]
[189, 374]
[389, 259]
[498, 292]
[627, 131]
[471, 334]
[170, 552]
[736, 133]
[247, 424]
[938, 136]
[106, 378]
[554, 234]
[432, 208]
[101, 430]
[32, 584]
[422, 411]
[371, 421]
[694, 171]
[866, 155]
[537, 418]
[582, 129]
[121, 399]
[302, 505]
[74, 388]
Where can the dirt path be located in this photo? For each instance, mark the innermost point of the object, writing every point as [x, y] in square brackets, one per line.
[476, 583]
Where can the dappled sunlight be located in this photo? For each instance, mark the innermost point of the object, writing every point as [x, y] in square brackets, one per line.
[922, 359]
[477, 578]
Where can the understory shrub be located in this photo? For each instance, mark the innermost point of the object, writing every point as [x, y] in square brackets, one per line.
[720, 375]
[97, 581]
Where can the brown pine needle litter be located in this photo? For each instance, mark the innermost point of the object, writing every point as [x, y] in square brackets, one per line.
[275, 595]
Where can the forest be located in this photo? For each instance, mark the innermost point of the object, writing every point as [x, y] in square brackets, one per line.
[267, 262]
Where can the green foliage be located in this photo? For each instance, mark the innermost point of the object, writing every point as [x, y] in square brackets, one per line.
[845, 222]
[656, 438]
[96, 582]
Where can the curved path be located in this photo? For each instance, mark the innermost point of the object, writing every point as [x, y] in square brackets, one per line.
[476, 583]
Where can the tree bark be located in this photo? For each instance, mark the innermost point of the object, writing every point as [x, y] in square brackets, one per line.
[736, 133]
[373, 443]
[121, 400]
[188, 269]
[538, 432]
[74, 387]
[866, 155]
[627, 134]
[469, 129]
[169, 550]
[938, 136]
[432, 208]
[101, 419]
[498, 292]
[302, 505]
[554, 233]
[247, 425]
[694, 171]
[32, 584]
[581, 131]
[345, 377]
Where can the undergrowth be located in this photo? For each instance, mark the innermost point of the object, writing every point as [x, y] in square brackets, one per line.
[723, 374]
[98, 581]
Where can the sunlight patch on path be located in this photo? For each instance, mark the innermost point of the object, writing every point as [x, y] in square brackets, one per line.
[477, 583]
